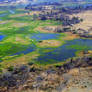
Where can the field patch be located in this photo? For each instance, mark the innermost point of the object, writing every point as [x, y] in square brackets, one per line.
[49, 43]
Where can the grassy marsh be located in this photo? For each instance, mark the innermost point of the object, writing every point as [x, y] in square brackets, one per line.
[17, 27]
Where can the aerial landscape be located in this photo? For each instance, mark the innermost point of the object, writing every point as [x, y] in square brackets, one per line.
[45, 45]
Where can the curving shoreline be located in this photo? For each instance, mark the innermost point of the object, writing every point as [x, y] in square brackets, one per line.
[29, 77]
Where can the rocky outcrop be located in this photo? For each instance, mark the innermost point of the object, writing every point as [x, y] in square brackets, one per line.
[14, 79]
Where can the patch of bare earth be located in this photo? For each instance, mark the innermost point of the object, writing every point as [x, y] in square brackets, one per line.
[49, 43]
[76, 80]
[4, 22]
[70, 36]
[47, 29]
[23, 59]
[18, 15]
[86, 24]
[20, 40]
[80, 81]
[25, 14]
[20, 24]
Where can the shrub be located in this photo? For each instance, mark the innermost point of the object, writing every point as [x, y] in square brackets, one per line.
[11, 68]
[30, 63]
[1, 70]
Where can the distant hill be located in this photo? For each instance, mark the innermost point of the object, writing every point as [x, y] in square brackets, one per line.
[40, 1]
[63, 0]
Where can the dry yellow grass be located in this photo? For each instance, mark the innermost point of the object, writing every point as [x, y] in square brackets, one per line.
[49, 43]
[19, 24]
[4, 22]
[23, 59]
[18, 15]
[81, 53]
[34, 12]
[42, 29]
[25, 14]
[74, 72]
[20, 40]
[70, 36]
[90, 51]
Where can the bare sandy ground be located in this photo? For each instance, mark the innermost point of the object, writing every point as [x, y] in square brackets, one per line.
[76, 80]
[42, 29]
[87, 20]
[49, 43]
[80, 81]
[19, 24]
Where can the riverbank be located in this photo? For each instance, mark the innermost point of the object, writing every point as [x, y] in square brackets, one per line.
[74, 75]
[30, 43]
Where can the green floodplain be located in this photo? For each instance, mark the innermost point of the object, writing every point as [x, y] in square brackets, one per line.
[21, 41]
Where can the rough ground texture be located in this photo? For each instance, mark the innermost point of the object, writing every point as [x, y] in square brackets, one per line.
[80, 81]
[86, 24]
[74, 76]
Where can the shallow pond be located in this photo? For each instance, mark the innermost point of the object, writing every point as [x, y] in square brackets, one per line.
[1, 37]
[12, 11]
[59, 54]
[37, 37]
[28, 50]
[2, 15]
[63, 52]
[44, 36]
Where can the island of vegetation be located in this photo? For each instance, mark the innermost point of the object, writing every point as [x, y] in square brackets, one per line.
[45, 47]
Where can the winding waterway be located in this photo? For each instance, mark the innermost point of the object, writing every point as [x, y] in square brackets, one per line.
[53, 55]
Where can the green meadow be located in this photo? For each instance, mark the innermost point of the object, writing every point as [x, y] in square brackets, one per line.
[17, 28]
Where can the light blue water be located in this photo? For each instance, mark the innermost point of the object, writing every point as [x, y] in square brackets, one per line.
[28, 50]
[2, 15]
[37, 37]
[44, 36]
[58, 54]
[1, 37]
[63, 52]
[12, 11]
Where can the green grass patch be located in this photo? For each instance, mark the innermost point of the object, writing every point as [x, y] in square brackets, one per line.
[80, 47]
